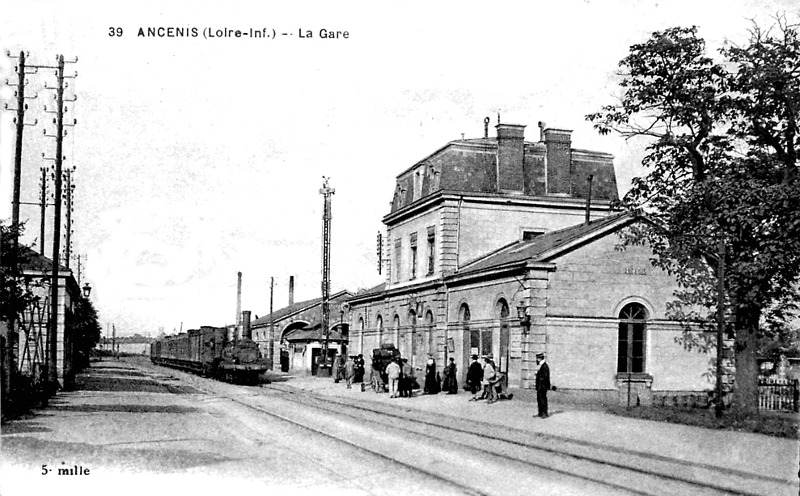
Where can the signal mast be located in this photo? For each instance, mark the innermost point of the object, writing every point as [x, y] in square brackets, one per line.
[326, 192]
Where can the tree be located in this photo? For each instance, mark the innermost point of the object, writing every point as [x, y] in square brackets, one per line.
[721, 165]
[82, 325]
[14, 296]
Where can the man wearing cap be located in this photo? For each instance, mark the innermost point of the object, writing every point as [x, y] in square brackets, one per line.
[542, 384]
[349, 371]
[474, 377]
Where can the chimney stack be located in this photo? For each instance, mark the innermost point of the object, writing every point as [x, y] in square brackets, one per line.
[291, 290]
[542, 126]
[238, 298]
[559, 160]
[246, 332]
[510, 157]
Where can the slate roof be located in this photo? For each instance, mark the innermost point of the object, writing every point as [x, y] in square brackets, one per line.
[380, 288]
[544, 247]
[284, 312]
[313, 333]
[38, 262]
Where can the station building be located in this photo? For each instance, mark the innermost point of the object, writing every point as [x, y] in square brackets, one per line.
[32, 336]
[505, 247]
[293, 336]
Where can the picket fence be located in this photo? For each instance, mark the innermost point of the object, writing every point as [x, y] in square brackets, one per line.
[778, 394]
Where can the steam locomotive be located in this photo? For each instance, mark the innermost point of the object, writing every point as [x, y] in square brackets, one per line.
[209, 352]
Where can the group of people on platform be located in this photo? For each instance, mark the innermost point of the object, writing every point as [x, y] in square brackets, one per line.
[349, 370]
[484, 381]
[401, 380]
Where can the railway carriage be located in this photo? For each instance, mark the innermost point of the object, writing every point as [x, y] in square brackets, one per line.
[209, 352]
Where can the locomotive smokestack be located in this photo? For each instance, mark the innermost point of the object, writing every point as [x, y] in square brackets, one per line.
[246, 333]
[239, 299]
[291, 290]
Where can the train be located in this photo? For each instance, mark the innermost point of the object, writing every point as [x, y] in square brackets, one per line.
[208, 351]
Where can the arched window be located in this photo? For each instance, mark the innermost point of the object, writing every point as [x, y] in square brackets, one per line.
[361, 334]
[631, 340]
[396, 326]
[379, 328]
[430, 337]
[505, 334]
[463, 314]
[479, 340]
[406, 340]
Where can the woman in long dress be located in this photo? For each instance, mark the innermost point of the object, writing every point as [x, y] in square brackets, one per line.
[431, 384]
[449, 382]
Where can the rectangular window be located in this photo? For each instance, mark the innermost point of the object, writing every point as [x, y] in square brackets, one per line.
[637, 348]
[398, 258]
[622, 348]
[431, 248]
[631, 347]
[413, 255]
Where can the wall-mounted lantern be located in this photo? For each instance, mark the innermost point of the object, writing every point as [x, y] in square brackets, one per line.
[524, 317]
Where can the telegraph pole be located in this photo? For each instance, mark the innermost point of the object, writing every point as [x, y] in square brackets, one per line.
[11, 344]
[20, 126]
[326, 192]
[52, 337]
[52, 362]
[79, 268]
[70, 189]
[271, 345]
[42, 208]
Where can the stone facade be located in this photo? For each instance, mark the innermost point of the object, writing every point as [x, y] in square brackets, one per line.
[33, 331]
[270, 332]
[483, 230]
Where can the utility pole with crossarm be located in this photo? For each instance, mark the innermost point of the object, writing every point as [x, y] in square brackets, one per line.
[326, 192]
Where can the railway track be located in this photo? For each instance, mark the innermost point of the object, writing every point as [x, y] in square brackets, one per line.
[622, 470]
[553, 459]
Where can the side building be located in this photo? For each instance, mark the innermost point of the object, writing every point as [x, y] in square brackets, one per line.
[503, 247]
[33, 334]
[293, 335]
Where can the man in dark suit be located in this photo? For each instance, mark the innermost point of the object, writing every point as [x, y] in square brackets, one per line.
[542, 384]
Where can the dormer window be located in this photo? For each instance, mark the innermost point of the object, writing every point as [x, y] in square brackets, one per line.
[531, 234]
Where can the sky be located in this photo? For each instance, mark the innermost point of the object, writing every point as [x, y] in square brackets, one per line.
[198, 157]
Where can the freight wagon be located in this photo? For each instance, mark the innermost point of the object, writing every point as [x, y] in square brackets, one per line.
[209, 352]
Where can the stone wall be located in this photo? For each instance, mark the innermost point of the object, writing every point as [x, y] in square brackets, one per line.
[587, 292]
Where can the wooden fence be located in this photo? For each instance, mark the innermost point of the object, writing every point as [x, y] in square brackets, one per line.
[778, 394]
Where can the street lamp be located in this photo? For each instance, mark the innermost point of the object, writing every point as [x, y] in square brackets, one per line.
[524, 317]
[87, 290]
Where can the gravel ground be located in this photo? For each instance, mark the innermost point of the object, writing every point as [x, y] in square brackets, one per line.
[137, 428]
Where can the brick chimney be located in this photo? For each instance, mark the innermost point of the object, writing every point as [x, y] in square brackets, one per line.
[559, 160]
[246, 332]
[291, 290]
[238, 298]
[510, 156]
